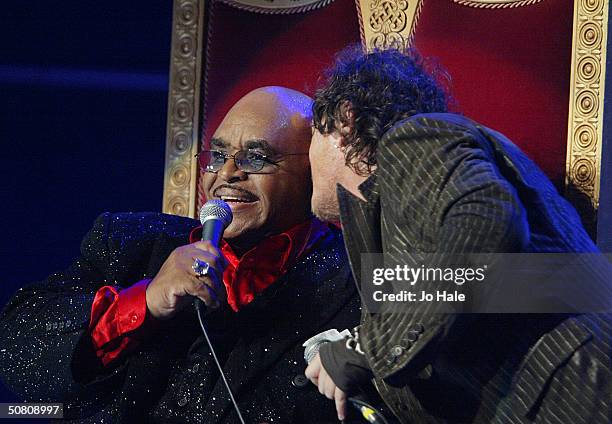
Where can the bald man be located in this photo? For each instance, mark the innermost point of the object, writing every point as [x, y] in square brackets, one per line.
[113, 337]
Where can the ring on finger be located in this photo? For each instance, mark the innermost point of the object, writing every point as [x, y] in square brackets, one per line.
[200, 267]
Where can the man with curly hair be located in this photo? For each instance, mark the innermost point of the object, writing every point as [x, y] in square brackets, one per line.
[405, 177]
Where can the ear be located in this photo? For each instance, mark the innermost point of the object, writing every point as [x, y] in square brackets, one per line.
[348, 121]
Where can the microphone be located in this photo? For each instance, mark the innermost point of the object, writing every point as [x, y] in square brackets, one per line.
[215, 217]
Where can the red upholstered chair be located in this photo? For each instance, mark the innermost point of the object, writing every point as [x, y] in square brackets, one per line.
[533, 70]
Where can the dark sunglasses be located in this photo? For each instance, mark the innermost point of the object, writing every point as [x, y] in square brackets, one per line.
[246, 160]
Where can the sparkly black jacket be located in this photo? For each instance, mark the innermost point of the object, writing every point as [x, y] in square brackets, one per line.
[46, 356]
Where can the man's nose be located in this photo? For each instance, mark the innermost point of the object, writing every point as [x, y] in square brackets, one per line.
[230, 173]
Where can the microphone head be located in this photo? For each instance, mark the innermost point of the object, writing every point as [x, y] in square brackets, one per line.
[216, 209]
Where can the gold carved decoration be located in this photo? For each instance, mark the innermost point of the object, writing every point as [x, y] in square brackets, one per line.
[181, 171]
[388, 23]
[277, 6]
[585, 123]
[496, 4]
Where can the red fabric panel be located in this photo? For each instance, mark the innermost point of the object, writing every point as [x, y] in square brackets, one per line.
[250, 50]
[510, 70]
[510, 67]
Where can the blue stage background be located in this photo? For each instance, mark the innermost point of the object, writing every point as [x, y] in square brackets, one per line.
[83, 89]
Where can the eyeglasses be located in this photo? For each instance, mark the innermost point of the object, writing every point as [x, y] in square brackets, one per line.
[246, 160]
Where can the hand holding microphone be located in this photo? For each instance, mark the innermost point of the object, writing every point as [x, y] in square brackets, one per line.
[193, 270]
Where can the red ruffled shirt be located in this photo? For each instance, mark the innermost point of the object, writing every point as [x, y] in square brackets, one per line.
[119, 318]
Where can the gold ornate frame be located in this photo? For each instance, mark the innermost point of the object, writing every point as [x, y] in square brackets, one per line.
[180, 176]
[389, 22]
[585, 121]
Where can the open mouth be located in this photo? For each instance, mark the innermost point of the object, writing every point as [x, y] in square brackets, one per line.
[232, 199]
[234, 196]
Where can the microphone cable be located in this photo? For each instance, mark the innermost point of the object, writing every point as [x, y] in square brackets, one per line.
[198, 306]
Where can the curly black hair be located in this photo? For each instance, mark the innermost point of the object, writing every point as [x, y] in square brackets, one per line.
[383, 87]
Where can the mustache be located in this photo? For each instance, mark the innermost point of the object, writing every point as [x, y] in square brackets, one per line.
[226, 189]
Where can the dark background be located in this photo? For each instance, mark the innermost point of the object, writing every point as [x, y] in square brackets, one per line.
[83, 94]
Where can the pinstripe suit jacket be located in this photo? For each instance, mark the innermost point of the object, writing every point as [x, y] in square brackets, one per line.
[446, 184]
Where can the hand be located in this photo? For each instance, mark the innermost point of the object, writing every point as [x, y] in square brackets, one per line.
[176, 282]
[320, 378]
